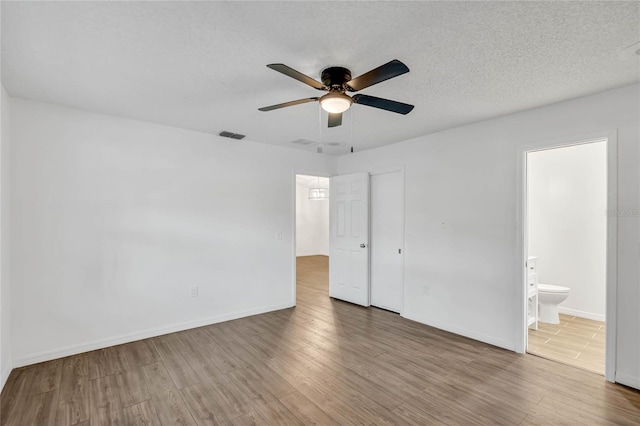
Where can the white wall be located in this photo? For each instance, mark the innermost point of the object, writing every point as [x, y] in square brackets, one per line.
[567, 203]
[113, 220]
[5, 291]
[462, 220]
[312, 219]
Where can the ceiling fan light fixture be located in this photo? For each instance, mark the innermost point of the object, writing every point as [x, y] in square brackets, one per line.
[318, 194]
[336, 81]
[335, 102]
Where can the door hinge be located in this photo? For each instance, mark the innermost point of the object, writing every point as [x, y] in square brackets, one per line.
[399, 251]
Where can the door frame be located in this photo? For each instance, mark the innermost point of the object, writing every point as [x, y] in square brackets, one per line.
[295, 172]
[383, 171]
[611, 139]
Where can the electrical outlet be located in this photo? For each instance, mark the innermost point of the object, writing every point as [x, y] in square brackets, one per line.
[425, 290]
[279, 235]
[194, 291]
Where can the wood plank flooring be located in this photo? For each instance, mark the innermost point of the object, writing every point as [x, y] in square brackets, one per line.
[324, 362]
[576, 341]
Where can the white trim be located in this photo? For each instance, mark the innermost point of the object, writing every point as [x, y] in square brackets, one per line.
[522, 251]
[384, 170]
[294, 273]
[581, 314]
[4, 375]
[632, 382]
[132, 337]
[611, 310]
[491, 340]
[611, 138]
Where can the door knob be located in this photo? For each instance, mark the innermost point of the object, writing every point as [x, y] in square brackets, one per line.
[363, 245]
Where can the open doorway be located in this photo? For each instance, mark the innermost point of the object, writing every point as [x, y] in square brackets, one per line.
[566, 238]
[360, 226]
[312, 234]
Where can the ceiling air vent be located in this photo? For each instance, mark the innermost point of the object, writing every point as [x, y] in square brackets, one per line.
[303, 142]
[226, 134]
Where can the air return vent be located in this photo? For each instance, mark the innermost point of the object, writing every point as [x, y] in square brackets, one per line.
[303, 142]
[226, 134]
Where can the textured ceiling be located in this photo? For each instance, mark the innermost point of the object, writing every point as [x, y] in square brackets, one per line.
[201, 65]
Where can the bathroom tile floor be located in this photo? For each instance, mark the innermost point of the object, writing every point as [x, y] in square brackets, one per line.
[575, 341]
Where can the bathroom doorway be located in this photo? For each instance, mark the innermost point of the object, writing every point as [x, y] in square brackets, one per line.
[567, 232]
[311, 234]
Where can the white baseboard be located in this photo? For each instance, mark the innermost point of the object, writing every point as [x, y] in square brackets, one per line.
[145, 334]
[303, 254]
[492, 340]
[4, 375]
[581, 314]
[632, 382]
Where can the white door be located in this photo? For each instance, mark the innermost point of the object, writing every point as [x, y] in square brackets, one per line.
[387, 213]
[349, 252]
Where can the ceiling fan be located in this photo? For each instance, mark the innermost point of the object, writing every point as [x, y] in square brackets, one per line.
[337, 80]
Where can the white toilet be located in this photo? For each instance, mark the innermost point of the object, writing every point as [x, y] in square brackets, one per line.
[549, 297]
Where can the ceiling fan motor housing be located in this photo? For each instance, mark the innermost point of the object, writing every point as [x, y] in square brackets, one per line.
[335, 77]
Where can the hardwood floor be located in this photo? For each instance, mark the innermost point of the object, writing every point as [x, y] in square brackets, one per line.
[575, 341]
[324, 362]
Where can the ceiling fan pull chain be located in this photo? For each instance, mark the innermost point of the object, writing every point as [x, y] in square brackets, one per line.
[352, 121]
[320, 128]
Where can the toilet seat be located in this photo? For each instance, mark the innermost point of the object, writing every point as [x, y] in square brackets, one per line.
[550, 288]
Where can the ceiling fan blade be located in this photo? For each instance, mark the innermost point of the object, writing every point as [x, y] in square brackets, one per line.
[378, 75]
[376, 102]
[288, 104]
[288, 71]
[335, 119]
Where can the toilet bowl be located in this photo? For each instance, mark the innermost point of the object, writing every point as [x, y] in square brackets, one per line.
[549, 297]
